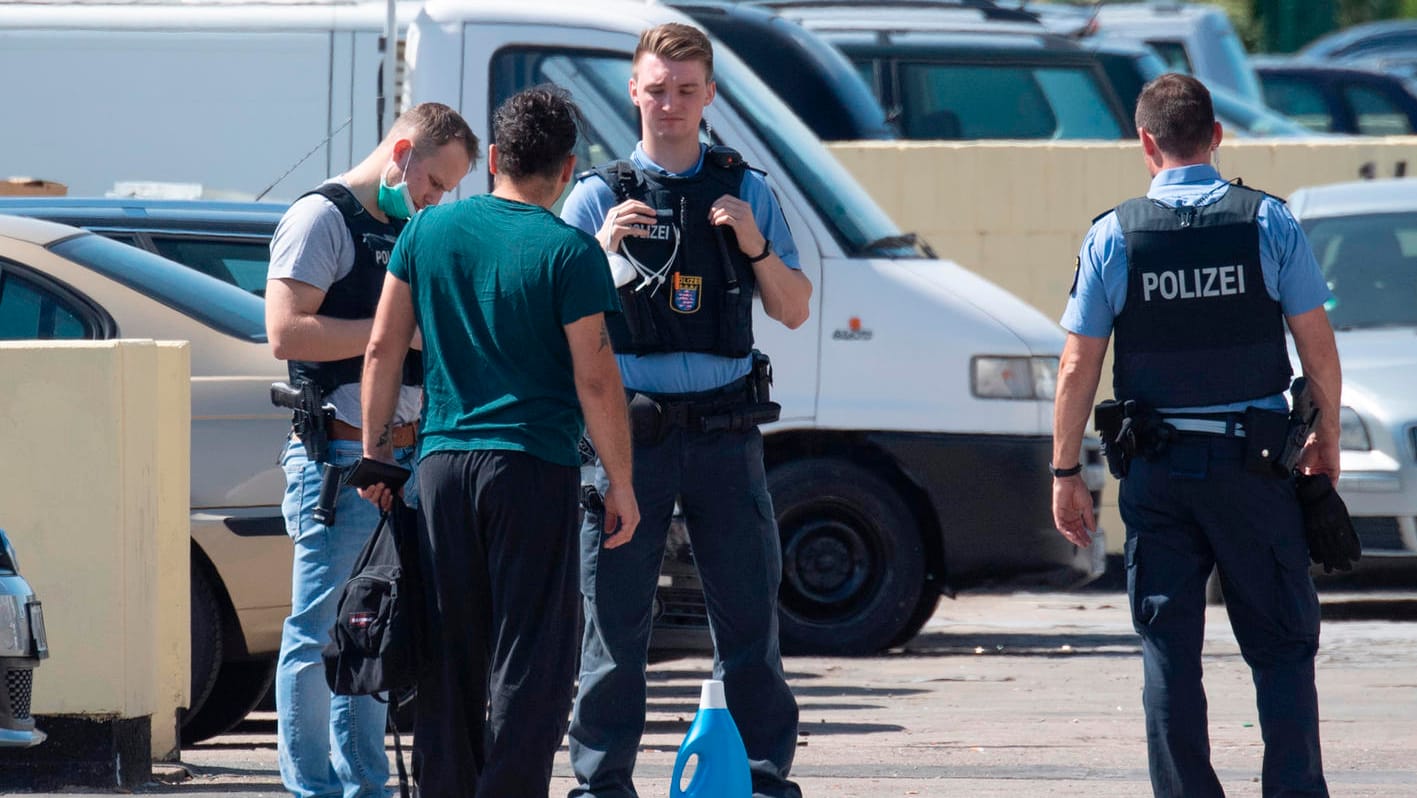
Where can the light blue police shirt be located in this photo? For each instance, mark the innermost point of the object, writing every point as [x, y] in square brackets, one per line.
[1291, 274]
[682, 372]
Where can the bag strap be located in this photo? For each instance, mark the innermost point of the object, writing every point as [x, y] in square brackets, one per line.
[398, 750]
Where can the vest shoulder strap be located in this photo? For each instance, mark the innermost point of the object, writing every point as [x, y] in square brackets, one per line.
[342, 198]
[622, 176]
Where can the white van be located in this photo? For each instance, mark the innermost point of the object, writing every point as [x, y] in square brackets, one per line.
[912, 452]
[917, 401]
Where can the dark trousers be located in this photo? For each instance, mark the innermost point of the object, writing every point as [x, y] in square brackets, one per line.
[499, 568]
[1194, 507]
[719, 480]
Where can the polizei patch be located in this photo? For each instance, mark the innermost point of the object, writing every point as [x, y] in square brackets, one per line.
[685, 298]
[1208, 281]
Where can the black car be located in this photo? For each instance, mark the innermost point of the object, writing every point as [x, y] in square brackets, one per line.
[1334, 99]
[226, 240]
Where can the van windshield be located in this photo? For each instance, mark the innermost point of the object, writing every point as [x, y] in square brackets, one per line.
[858, 224]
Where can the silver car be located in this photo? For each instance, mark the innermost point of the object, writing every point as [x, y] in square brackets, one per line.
[1365, 237]
[58, 281]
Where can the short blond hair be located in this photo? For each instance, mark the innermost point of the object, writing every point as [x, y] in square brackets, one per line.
[674, 41]
[431, 126]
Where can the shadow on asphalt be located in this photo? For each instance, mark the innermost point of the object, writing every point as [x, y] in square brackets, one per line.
[1021, 644]
[1377, 608]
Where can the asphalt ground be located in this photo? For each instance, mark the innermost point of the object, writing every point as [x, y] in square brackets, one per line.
[1021, 694]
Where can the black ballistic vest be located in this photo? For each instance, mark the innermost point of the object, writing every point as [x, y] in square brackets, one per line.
[706, 301]
[356, 295]
[1198, 327]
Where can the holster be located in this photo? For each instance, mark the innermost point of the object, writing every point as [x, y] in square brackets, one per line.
[1266, 437]
[1130, 430]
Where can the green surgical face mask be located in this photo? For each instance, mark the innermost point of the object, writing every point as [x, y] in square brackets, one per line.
[396, 201]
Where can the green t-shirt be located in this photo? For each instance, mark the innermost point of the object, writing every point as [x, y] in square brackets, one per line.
[493, 283]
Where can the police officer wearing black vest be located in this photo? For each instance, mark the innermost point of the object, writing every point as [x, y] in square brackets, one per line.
[693, 234]
[328, 261]
[1198, 280]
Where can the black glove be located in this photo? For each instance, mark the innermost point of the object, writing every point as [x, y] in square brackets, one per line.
[1327, 527]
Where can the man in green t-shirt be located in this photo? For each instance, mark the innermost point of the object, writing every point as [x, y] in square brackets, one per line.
[510, 301]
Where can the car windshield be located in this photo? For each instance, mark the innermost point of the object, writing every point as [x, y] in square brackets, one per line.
[218, 305]
[1370, 263]
[1002, 101]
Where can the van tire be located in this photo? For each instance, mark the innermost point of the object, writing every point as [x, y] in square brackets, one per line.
[853, 563]
[206, 638]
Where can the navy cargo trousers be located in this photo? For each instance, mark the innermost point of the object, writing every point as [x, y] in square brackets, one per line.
[718, 479]
[1189, 509]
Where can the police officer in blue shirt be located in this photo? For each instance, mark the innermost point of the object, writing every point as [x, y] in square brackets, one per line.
[696, 235]
[1197, 281]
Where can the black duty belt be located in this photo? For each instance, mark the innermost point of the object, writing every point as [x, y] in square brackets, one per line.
[689, 409]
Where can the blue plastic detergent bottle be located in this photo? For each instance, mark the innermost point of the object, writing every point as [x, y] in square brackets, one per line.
[722, 767]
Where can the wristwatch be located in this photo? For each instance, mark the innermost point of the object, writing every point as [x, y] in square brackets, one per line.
[1065, 472]
[767, 250]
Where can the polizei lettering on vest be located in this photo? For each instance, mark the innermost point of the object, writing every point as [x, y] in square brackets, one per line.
[1209, 281]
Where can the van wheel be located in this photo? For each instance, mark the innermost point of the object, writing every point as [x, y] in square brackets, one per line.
[206, 639]
[239, 688]
[852, 564]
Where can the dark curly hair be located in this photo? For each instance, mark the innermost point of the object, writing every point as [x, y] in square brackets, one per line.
[534, 130]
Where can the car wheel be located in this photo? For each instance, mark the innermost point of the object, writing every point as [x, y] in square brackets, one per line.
[853, 565]
[206, 638]
[240, 686]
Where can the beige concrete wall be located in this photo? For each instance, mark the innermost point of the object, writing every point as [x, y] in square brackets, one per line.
[1016, 212]
[173, 672]
[96, 462]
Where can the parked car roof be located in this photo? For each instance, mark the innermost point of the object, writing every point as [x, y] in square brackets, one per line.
[151, 214]
[1359, 196]
[1362, 40]
[226, 240]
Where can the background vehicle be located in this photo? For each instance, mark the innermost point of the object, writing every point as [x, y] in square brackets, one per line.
[891, 482]
[23, 644]
[58, 282]
[1387, 46]
[811, 76]
[1130, 64]
[1335, 99]
[1365, 237]
[945, 72]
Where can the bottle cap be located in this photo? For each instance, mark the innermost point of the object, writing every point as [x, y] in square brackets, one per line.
[712, 695]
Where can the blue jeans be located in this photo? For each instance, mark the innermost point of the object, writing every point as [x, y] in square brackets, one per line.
[329, 745]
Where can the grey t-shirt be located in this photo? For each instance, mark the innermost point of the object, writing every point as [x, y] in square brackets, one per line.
[312, 244]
